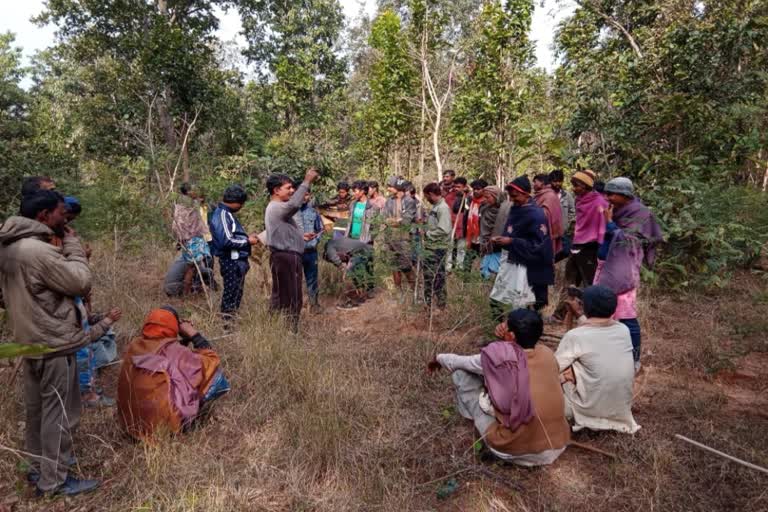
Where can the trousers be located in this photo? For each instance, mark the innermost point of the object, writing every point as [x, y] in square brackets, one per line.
[310, 268]
[52, 403]
[434, 277]
[233, 274]
[286, 298]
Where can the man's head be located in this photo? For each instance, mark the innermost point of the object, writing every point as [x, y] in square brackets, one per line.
[599, 302]
[47, 207]
[619, 191]
[492, 195]
[478, 186]
[191, 190]
[433, 193]
[556, 178]
[32, 184]
[583, 182]
[460, 184]
[396, 184]
[235, 197]
[526, 325]
[448, 176]
[519, 190]
[73, 207]
[540, 181]
[342, 188]
[373, 188]
[360, 190]
[411, 190]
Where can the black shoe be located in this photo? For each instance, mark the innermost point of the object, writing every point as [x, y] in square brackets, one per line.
[71, 487]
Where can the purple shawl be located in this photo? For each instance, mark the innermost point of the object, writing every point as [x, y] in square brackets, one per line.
[505, 370]
[590, 221]
[633, 243]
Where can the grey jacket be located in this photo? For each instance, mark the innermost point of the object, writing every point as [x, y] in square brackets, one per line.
[40, 282]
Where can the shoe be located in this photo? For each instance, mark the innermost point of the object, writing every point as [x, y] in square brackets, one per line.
[637, 367]
[348, 305]
[370, 294]
[71, 487]
[101, 401]
[33, 477]
[315, 309]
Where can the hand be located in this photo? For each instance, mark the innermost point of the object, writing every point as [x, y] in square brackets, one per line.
[115, 314]
[253, 240]
[186, 329]
[575, 305]
[309, 236]
[311, 175]
[608, 213]
[433, 366]
[88, 251]
[567, 376]
[501, 331]
[69, 231]
[501, 240]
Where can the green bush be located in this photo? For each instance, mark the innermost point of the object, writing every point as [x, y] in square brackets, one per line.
[711, 229]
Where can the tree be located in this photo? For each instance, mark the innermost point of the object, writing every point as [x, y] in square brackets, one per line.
[389, 116]
[14, 128]
[490, 99]
[295, 44]
[161, 55]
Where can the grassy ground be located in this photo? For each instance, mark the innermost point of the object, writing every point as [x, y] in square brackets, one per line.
[344, 417]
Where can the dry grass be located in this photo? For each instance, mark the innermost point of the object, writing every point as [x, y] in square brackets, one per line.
[344, 418]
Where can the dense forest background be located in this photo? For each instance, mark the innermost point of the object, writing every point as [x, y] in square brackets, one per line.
[136, 97]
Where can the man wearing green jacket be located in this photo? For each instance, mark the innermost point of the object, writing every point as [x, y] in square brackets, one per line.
[40, 283]
[437, 237]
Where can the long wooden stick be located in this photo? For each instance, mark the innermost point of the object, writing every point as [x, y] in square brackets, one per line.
[592, 449]
[725, 455]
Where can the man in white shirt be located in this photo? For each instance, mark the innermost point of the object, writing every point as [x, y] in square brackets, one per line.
[597, 367]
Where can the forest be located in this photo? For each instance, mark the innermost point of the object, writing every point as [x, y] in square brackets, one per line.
[136, 97]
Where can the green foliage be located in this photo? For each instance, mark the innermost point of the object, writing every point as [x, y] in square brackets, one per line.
[10, 350]
[711, 230]
[14, 127]
[389, 115]
[296, 42]
[491, 98]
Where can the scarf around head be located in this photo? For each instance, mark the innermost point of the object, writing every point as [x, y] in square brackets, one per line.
[160, 323]
[633, 243]
[590, 220]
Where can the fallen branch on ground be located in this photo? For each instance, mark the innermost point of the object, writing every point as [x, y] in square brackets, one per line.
[721, 454]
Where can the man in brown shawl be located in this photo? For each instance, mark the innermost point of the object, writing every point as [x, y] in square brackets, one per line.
[549, 201]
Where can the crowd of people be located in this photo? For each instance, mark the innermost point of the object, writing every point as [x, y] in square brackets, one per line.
[519, 393]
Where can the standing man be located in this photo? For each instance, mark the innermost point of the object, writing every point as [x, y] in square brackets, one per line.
[377, 199]
[309, 220]
[285, 240]
[527, 267]
[40, 283]
[437, 236]
[454, 200]
[189, 229]
[361, 214]
[548, 200]
[631, 236]
[588, 234]
[232, 245]
[399, 214]
[568, 212]
[472, 223]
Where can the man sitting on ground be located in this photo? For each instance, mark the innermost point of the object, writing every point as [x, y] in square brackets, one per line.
[597, 366]
[164, 384]
[527, 428]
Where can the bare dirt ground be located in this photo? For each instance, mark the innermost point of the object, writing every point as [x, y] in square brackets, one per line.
[344, 417]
